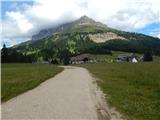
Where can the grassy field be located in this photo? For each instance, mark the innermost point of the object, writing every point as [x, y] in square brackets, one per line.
[134, 89]
[18, 78]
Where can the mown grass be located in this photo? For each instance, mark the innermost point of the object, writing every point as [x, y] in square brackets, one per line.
[18, 78]
[134, 89]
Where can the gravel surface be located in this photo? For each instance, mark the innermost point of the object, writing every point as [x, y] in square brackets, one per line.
[70, 95]
[67, 96]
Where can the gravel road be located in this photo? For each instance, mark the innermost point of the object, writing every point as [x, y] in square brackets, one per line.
[67, 96]
[70, 95]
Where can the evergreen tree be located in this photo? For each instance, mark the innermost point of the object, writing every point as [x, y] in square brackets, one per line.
[64, 56]
[54, 61]
[4, 54]
[148, 56]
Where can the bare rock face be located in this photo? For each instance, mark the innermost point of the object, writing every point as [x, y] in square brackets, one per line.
[85, 20]
[42, 34]
[103, 37]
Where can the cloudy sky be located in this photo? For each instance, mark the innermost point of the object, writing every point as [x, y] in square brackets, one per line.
[20, 19]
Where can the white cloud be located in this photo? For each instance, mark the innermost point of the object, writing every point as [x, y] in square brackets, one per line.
[131, 20]
[122, 14]
[20, 20]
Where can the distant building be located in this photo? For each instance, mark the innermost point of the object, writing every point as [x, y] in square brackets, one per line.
[127, 58]
[80, 59]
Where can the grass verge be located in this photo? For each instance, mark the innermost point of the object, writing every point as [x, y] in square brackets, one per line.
[134, 89]
[18, 78]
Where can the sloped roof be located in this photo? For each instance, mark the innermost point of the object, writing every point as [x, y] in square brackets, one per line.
[79, 57]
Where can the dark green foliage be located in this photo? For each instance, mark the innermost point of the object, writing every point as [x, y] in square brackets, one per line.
[9, 55]
[4, 54]
[47, 54]
[64, 56]
[148, 56]
[97, 49]
[140, 42]
[54, 61]
[66, 60]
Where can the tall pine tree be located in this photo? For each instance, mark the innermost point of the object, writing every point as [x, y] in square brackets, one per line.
[4, 54]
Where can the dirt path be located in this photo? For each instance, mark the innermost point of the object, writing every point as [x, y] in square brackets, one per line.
[68, 96]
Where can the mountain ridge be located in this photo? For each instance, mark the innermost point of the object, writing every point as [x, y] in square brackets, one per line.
[84, 20]
[85, 35]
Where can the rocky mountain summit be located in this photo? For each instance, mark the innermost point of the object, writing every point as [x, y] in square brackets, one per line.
[82, 21]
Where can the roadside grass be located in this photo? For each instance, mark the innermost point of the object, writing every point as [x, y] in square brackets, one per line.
[133, 89]
[18, 78]
[156, 59]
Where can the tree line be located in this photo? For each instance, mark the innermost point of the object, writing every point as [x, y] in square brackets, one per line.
[9, 55]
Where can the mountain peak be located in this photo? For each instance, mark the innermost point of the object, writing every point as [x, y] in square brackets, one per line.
[84, 17]
[82, 21]
[86, 20]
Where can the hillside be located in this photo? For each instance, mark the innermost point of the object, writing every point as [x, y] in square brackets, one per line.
[86, 36]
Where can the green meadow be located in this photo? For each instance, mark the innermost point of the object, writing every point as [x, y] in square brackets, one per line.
[18, 78]
[133, 89]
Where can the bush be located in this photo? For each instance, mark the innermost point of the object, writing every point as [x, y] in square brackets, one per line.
[148, 56]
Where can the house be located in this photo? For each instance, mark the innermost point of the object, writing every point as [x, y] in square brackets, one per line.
[127, 58]
[79, 59]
